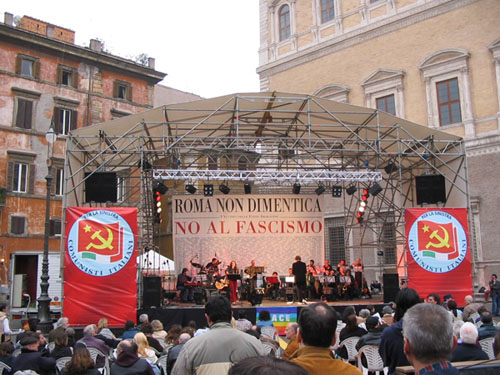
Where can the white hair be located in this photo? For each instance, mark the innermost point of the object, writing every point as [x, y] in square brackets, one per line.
[468, 333]
[143, 318]
[184, 337]
[468, 299]
[457, 324]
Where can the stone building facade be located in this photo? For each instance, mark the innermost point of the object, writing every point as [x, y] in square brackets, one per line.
[433, 62]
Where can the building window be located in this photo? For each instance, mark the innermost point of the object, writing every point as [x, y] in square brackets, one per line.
[55, 227]
[20, 178]
[67, 76]
[20, 172]
[387, 237]
[336, 244]
[24, 113]
[284, 22]
[327, 10]
[28, 66]
[448, 102]
[17, 225]
[64, 120]
[120, 188]
[59, 180]
[386, 104]
[336, 92]
[122, 90]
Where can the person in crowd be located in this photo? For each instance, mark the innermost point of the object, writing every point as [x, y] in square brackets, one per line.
[487, 329]
[129, 330]
[375, 287]
[428, 339]
[391, 343]
[316, 333]
[457, 325]
[387, 316]
[90, 341]
[158, 332]
[299, 271]
[453, 309]
[209, 352]
[43, 346]
[103, 330]
[350, 330]
[61, 325]
[446, 298]
[31, 359]
[470, 308]
[434, 299]
[362, 316]
[6, 353]
[267, 327]
[173, 353]
[266, 366]
[173, 335]
[189, 330]
[467, 350]
[495, 294]
[496, 346]
[81, 364]
[372, 337]
[242, 323]
[128, 362]
[291, 335]
[30, 326]
[61, 348]
[4, 326]
[147, 329]
[143, 348]
[71, 336]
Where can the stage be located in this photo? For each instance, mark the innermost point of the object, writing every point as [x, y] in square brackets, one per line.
[282, 312]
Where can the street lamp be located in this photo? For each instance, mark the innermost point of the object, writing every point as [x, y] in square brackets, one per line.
[45, 324]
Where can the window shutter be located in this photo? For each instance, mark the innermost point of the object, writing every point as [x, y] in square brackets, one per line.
[17, 224]
[115, 89]
[53, 173]
[129, 93]
[74, 120]
[21, 113]
[57, 120]
[10, 175]
[19, 62]
[31, 181]
[74, 79]
[28, 115]
[36, 69]
[59, 74]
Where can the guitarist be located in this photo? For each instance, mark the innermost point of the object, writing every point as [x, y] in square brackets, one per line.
[252, 275]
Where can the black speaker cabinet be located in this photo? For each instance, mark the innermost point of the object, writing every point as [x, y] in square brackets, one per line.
[431, 189]
[151, 293]
[100, 187]
[391, 287]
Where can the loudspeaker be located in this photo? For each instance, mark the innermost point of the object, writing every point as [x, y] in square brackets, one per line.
[100, 187]
[391, 287]
[151, 292]
[431, 189]
[255, 298]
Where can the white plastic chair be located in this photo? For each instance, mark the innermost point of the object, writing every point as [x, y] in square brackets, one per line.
[487, 346]
[94, 353]
[162, 363]
[4, 368]
[350, 344]
[61, 362]
[373, 360]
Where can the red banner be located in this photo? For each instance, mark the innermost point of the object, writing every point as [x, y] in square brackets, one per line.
[100, 266]
[438, 252]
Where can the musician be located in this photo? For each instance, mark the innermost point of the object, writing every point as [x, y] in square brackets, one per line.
[357, 267]
[299, 271]
[186, 291]
[212, 269]
[341, 267]
[233, 284]
[328, 269]
[274, 287]
[252, 275]
[312, 282]
[348, 286]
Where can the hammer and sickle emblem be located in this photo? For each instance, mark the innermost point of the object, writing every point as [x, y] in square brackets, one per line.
[105, 244]
[442, 241]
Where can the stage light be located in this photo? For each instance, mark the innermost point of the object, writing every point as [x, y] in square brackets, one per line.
[337, 191]
[375, 189]
[296, 188]
[320, 189]
[351, 190]
[224, 189]
[208, 190]
[160, 187]
[391, 167]
[144, 165]
[248, 188]
[380, 253]
[364, 197]
[157, 201]
[190, 189]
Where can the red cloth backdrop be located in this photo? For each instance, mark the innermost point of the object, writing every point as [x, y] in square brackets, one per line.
[438, 252]
[100, 265]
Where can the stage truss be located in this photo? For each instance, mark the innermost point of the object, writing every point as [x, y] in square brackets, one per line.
[271, 140]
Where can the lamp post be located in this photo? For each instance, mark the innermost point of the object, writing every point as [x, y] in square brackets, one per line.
[45, 324]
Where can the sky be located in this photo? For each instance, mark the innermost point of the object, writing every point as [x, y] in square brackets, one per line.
[206, 47]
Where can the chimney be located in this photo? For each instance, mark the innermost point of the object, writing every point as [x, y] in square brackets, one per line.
[151, 62]
[9, 19]
[95, 45]
[50, 31]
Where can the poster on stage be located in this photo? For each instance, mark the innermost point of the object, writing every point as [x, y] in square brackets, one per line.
[280, 316]
[100, 268]
[438, 252]
[270, 229]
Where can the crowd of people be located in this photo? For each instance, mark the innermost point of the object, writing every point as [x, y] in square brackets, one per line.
[429, 335]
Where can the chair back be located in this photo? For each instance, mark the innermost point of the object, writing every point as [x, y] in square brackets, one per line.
[94, 353]
[350, 345]
[162, 363]
[373, 360]
[61, 362]
[4, 368]
[487, 346]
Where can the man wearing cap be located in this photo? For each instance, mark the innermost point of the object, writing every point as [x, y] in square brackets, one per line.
[31, 359]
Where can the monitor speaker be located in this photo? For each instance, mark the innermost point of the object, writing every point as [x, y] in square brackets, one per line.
[391, 287]
[100, 187]
[430, 189]
[151, 293]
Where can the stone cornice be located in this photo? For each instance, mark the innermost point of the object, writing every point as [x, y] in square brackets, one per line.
[373, 30]
[482, 145]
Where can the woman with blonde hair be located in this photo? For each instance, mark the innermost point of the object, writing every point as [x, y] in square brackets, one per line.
[158, 332]
[102, 329]
[144, 351]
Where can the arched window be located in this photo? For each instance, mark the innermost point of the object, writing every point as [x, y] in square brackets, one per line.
[284, 22]
[327, 10]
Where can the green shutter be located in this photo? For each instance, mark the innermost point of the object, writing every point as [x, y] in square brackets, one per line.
[19, 64]
[74, 120]
[115, 89]
[21, 113]
[10, 175]
[28, 115]
[59, 74]
[36, 69]
[57, 120]
[129, 92]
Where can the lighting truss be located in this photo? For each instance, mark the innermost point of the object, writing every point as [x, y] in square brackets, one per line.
[303, 176]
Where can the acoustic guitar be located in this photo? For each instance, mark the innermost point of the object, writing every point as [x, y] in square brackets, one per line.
[224, 283]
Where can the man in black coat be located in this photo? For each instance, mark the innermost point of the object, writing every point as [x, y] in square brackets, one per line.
[128, 362]
[299, 271]
[467, 350]
[31, 359]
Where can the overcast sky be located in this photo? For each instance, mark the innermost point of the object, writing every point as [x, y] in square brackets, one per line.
[207, 47]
